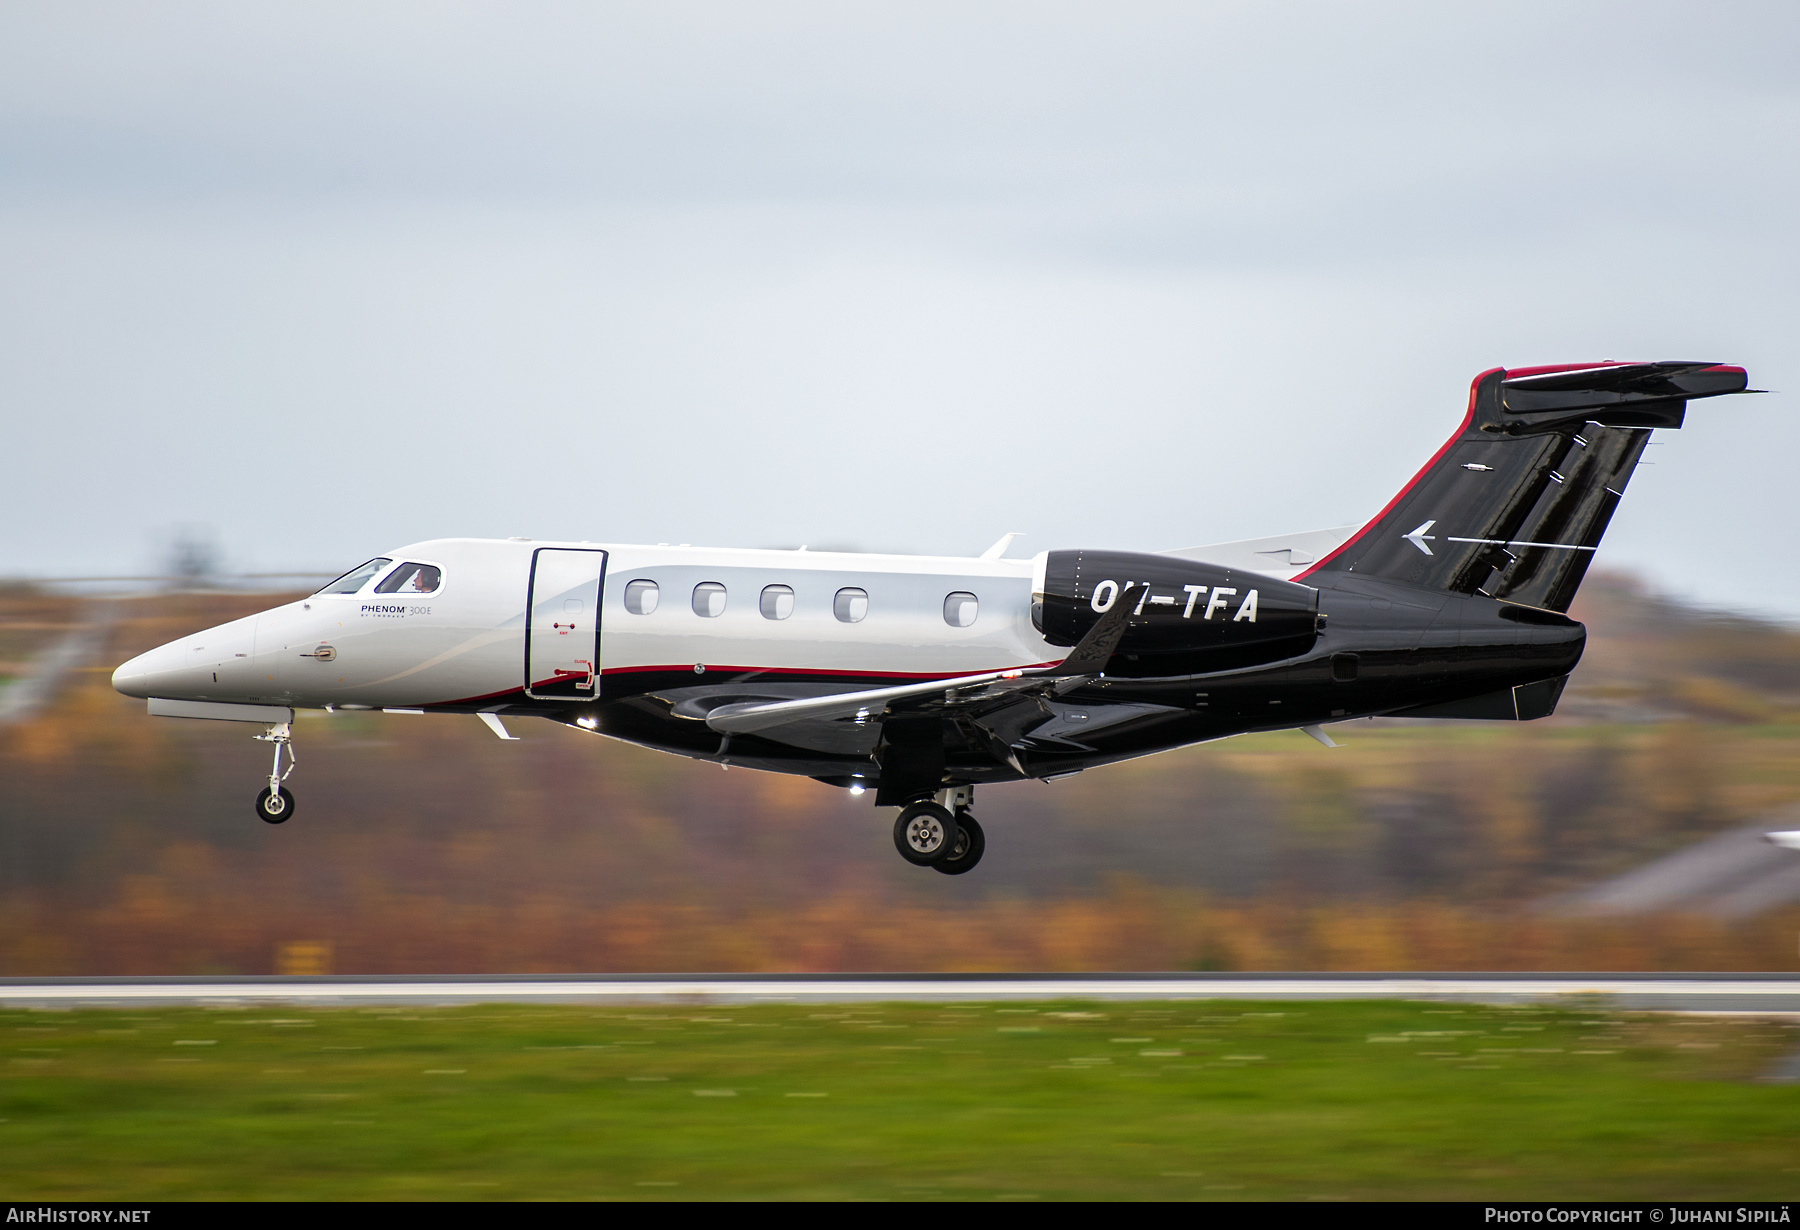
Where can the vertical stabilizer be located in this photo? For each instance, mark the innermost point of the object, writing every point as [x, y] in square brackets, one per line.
[1515, 503]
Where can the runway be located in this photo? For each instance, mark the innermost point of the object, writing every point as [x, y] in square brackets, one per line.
[1710, 993]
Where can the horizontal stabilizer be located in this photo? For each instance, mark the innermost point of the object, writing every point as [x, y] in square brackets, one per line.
[1610, 391]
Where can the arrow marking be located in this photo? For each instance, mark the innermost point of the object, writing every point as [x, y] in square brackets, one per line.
[1419, 536]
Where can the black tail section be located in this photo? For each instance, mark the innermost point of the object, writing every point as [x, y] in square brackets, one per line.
[1515, 503]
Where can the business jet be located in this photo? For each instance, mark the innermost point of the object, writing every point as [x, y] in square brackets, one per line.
[922, 677]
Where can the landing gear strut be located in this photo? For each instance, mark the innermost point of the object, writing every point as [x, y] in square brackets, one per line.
[276, 803]
[941, 833]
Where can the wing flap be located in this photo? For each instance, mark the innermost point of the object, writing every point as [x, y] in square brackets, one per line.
[754, 716]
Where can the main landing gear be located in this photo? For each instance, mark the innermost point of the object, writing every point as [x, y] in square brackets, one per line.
[276, 803]
[941, 833]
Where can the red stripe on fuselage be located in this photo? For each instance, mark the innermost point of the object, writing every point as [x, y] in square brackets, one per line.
[920, 676]
[750, 671]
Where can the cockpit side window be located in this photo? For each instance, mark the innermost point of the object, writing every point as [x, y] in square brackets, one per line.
[356, 578]
[411, 578]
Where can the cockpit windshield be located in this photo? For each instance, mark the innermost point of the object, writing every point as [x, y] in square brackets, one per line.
[356, 578]
[411, 578]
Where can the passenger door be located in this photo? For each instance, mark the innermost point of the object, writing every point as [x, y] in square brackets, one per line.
[562, 627]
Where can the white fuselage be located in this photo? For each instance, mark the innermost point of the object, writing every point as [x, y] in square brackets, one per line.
[464, 642]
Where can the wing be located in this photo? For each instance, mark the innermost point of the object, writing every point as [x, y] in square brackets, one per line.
[1086, 660]
[910, 728]
[996, 709]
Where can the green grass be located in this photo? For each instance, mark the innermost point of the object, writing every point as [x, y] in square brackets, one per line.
[894, 1101]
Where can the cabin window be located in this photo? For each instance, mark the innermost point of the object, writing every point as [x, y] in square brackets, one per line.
[410, 578]
[777, 602]
[1343, 667]
[356, 578]
[961, 608]
[850, 605]
[641, 597]
[709, 599]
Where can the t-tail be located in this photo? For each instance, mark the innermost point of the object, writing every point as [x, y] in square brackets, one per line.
[1514, 504]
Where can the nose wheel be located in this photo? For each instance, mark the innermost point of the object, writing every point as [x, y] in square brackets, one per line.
[274, 806]
[276, 802]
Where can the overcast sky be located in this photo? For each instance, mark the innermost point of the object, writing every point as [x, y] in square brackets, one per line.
[325, 279]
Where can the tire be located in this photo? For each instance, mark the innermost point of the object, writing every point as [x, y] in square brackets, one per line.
[924, 833]
[970, 845]
[281, 812]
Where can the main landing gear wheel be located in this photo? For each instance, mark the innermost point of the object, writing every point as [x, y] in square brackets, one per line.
[970, 843]
[273, 808]
[924, 833]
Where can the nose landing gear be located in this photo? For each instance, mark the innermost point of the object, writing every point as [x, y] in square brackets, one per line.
[276, 803]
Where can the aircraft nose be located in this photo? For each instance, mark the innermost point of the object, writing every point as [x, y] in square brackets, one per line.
[152, 674]
[205, 666]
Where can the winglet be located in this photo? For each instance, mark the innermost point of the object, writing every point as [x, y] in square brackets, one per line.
[1091, 655]
[999, 548]
[492, 720]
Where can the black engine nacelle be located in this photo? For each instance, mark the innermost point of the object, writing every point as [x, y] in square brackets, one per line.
[1192, 619]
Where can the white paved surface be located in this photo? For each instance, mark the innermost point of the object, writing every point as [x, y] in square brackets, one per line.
[1701, 993]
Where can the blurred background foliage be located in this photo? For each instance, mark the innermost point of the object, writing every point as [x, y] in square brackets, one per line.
[424, 845]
